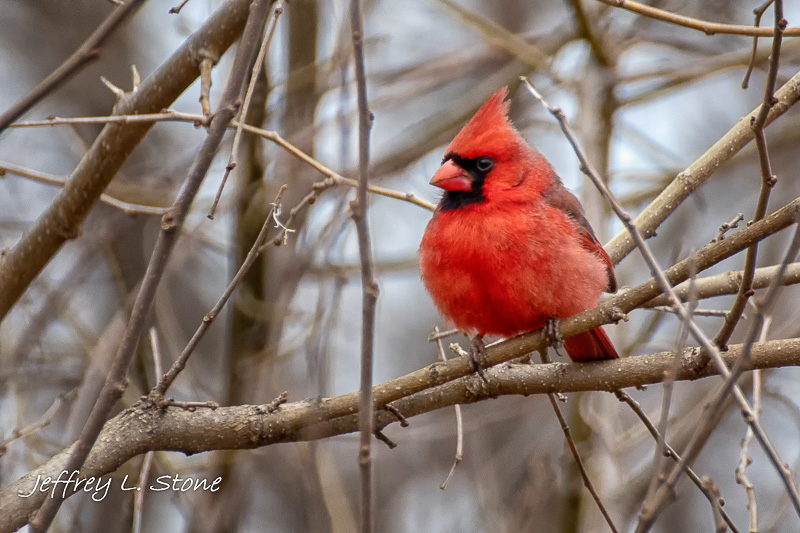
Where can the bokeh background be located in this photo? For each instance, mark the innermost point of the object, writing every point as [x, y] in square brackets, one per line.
[646, 99]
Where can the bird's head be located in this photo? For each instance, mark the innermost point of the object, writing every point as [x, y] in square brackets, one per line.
[488, 159]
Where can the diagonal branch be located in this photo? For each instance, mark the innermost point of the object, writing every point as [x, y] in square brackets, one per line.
[690, 179]
[88, 52]
[709, 28]
[62, 221]
[142, 427]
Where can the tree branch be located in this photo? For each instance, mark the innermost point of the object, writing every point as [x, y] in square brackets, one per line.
[62, 221]
[709, 28]
[142, 427]
[689, 180]
[88, 52]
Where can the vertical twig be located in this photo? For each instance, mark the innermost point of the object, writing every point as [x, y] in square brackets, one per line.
[358, 210]
[574, 450]
[768, 181]
[147, 463]
[758, 12]
[170, 230]
[205, 67]
[744, 460]
[437, 337]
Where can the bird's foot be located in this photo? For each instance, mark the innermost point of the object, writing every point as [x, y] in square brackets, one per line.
[477, 357]
[553, 335]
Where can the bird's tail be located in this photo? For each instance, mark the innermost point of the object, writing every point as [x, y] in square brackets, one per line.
[594, 345]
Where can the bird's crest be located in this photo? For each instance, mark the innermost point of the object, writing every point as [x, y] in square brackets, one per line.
[489, 133]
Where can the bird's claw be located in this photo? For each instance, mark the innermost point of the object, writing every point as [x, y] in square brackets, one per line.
[552, 334]
[477, 358]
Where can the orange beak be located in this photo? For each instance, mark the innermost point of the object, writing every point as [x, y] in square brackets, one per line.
[452, 177]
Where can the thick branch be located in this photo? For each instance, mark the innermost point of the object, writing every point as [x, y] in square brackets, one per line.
[143, 428]
[612, 310]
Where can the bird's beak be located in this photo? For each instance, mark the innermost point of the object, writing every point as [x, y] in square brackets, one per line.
[452, 177]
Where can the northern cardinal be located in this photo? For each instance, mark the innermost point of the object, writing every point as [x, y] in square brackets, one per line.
[508, 248]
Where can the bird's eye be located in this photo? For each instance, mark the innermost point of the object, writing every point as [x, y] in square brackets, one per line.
[484, 164]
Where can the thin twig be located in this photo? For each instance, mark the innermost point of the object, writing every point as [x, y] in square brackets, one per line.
[257, 66]
[66, 214]
[86, 53]
[369, 286]
[164, 381]
[138, 497]
[768, 181]
[587, 482]
[206, 66]
[727, 226]
[670, 452]
[199, 120]
[59, 181]
[41, 423]
[155, 349]
[437, 337]
[697, 312]
[147, 463]
[188, 406]
[711, 490]
[170, 231]
[177, 9]
[758, 12]
[709, 28]
[744, 460]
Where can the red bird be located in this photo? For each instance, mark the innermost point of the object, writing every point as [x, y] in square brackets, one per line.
[508, 248]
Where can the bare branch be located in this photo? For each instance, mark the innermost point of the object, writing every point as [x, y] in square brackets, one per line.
[690, 179]
[587, 482]
[650, 512]
[768, 181]
[144, 428]
[670, 452]
[729, 282]
[198, 120]
[709, 28]
[277, 10]
[369, 285]
[88, 52]
[59, 181]
[164, 381]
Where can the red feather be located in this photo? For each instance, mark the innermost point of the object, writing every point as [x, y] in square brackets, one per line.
[509, 246]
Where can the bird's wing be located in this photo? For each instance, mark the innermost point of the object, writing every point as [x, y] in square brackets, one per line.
[559, 197]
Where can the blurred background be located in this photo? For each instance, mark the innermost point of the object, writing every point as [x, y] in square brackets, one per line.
[646, 99]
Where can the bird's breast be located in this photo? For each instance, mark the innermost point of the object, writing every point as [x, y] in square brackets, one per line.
[505, 271]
